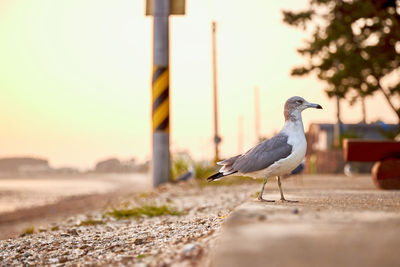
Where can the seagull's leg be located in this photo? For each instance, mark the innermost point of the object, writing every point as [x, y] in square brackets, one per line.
[280, 190]
[262, 191]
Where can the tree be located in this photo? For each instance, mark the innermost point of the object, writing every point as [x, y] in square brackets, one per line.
[354, 45]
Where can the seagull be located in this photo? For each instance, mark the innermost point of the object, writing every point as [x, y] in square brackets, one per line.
[276, 156]
[187, 175]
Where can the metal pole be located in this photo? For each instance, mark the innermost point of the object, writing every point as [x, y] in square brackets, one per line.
[217, 139]
[257, 113]
[364, 110]
[160, 93]
[337, 126]
[240, 135]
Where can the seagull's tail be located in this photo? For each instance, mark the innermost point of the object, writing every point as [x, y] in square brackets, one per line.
[218, 175]
[227, 169]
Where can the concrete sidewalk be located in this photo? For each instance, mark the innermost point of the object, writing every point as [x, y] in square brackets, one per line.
[338, 221]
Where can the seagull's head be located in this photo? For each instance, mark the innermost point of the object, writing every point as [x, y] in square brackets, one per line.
[295, 105]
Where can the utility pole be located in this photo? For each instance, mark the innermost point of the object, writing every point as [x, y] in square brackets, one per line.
[240, 135]
[337, 126]
[257, 113]
[364, 110]
[160, 10]
[217, 138]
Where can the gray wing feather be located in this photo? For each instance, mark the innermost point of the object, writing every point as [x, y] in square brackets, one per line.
[229, 161]
[263, 155]
[227, 165]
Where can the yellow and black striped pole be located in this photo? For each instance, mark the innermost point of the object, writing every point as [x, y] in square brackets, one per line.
[160, 99]
[160, 93]
[160, 10]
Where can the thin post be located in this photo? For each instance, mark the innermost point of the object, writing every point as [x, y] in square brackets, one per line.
[364, 110]
[217, 138]
[257, 113]
[160, 93]
[337, 126]
[240, 135]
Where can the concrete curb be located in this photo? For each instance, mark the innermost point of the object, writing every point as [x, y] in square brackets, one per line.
[326, 228]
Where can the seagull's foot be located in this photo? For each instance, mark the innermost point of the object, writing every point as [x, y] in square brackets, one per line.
[288, 201]
[264, 200]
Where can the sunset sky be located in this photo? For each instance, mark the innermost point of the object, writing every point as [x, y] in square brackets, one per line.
[75, 77]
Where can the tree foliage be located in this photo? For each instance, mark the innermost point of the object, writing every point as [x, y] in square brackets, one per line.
[354, 44]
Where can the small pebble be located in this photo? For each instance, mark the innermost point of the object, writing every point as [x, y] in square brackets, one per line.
[262, 217]
[138, 241]
[73, 232]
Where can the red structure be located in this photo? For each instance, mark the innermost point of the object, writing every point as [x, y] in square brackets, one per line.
[386, 171]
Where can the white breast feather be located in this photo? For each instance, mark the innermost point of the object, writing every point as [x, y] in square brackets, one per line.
[298, 142]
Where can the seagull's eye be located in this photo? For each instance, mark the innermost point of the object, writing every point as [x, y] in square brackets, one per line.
[299, 102]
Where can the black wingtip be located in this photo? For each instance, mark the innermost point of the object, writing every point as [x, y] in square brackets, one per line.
[214, 176]
[219, 175]
[319, 107]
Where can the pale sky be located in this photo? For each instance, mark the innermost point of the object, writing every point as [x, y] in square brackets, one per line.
[75, 78]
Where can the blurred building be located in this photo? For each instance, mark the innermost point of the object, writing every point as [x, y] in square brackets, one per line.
[23, 166]
[323, 157]
[66, 171]
[114, 165]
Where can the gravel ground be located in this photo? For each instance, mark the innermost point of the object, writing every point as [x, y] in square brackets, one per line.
[168, 240]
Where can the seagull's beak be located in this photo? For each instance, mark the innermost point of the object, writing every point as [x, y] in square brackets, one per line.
[311, 105]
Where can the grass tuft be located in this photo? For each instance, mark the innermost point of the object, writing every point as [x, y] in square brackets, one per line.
[203, 170]
[230, 180]
[143, 195]
[54, 228]
[29, 231]
[255, 195]
[141, 256]
[148, 210]
[180, 164]
[90, 222]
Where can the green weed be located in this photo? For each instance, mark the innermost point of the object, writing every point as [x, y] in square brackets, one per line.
[203, 170]
[144, 211]
[29, 231]
[90, 222]
[255, 195]
[228, 181]
[179, 166]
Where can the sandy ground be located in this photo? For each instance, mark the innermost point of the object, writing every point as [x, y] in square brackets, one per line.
[170, 240]
[27, 202]
[338, 221]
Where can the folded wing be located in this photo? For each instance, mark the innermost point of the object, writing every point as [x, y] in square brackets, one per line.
[263, 155]
[258, 158]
